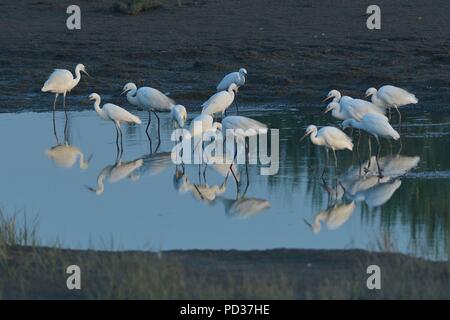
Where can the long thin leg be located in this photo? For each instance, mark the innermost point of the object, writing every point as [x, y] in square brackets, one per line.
[117, 141]
[159, 126]
[399, 117]
[380, 171]
[246, 162]
[326, 163]
[64, 101]
[54, 103]
[335, 162]
[236, 104]
[370, 157]
[54, 127]
[148, 124]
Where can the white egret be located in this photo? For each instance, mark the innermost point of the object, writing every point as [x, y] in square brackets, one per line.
[220, 101]
[243, 126]
[330, 138]
[390, 96]
[376, 125]
[179, 116]
[61, 81]
[150, 99]
[238, 78]
[346, 107]
[114, 113]
[334, 217]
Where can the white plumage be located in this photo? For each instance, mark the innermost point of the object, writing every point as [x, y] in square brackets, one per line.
[220, 101]
[329, 137]
[61, 81]
[150, 99]
[391, 97]
[248, 126]
[115, 114]
[65, 156]
[178, 114]
[238, 78]
[375, 124]
[346, 107]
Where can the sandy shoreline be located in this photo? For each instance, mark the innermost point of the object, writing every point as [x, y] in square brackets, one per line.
[295, 51]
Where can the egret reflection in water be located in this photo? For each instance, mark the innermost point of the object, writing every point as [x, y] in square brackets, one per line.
[334, 216]
[64, 154]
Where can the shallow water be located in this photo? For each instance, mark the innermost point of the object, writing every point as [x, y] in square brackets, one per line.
[154, 206]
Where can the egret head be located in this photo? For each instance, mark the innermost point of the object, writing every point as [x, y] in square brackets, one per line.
[94, 96]
[333, 94]
[243, 71]
[332, 106]
[82, 68]
[370, 92]
[128, 87]
[217, 126]
[233, 87]
[310, 129]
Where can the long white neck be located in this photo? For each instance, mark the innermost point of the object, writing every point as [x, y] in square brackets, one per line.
[231, 92]
[77, 78]
[316, 140]
[356, 124]
[83, 164]
[97, 108]
[337, 97]
[132, 97]
[377, 101]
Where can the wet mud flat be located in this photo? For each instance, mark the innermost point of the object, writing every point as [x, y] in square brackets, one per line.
[294, 51]
[39, 273]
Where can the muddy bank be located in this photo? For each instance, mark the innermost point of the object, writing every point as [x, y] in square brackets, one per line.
[295, 51]
[39, 273]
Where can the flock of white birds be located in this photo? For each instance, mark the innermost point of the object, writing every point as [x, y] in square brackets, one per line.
[368, 116]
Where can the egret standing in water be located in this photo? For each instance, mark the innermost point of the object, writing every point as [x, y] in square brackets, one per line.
[330, 138]
[376, 125]
[238, 78]
[61, 81]
[149, 98]
[220, 101]
[347, 107]
[114, 113]
[178, 114]
[389, 96]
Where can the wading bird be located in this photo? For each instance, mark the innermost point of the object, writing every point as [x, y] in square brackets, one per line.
[61, 81]
[114, 113]
[346, 107]
[238, 78]
[389, 96]
[376, 125]
[334, 217]
[330, 138]
[150, 99]
[220, 101]
[179, 116]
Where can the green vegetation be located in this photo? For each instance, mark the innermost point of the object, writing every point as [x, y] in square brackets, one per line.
[29, 271]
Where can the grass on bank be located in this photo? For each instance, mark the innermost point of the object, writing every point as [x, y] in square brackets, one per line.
[30, 271]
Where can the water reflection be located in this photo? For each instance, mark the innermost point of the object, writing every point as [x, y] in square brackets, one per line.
[117, 172]
[64, 154]
[334, 216]
[191, 206]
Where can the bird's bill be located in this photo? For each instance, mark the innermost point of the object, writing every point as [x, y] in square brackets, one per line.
[326, 111]
[124, 91]
[326, 99]
[88, 74]
[304, 136]
[367, 95]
